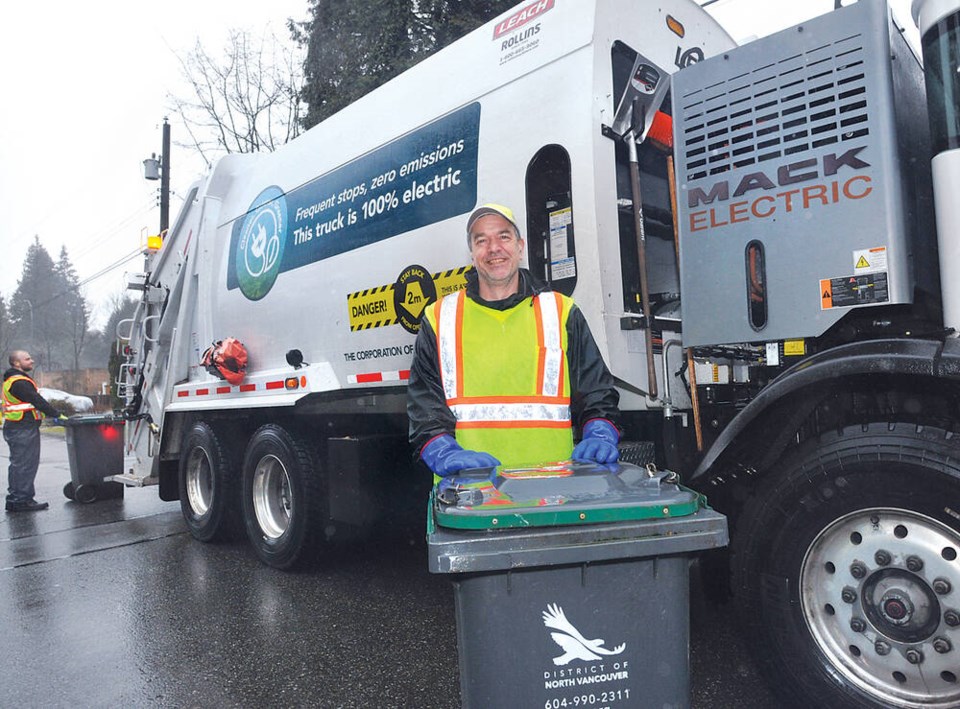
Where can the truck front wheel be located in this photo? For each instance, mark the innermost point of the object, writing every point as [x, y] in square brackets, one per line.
[846, 572]
[282, 497]
[209, 484]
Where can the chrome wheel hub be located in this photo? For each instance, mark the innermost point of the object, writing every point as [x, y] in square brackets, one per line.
[199, 481]
[877, 593]
[271, 496]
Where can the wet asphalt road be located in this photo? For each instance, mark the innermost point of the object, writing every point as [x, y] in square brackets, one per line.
[113, 604]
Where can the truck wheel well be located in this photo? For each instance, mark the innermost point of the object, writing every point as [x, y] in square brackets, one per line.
[808, 412]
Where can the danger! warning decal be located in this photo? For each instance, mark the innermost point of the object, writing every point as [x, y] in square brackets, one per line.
[403, 301]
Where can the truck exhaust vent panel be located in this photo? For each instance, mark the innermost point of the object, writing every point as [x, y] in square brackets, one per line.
[804, 101]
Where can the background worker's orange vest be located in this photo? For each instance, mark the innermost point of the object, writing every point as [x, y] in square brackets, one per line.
[13, 408]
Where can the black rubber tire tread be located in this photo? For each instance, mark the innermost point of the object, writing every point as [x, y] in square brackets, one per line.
[879, 464]
[303, 539]
[222, 521]
[68, 491]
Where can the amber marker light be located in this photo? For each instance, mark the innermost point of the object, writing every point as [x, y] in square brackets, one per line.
[675, 26]
[291, 383]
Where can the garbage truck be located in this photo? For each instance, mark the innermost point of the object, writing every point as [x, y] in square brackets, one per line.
[762, 239]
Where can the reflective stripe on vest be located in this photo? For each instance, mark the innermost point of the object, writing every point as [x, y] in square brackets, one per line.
[532, 418]
[13, 408]
[549, 372]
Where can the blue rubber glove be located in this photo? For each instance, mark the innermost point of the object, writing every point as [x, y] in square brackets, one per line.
[444, 456]
[599, 443]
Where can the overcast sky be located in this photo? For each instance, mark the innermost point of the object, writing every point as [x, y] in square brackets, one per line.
[85, 87]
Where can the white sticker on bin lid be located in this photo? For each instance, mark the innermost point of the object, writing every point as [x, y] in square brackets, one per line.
[870, 260]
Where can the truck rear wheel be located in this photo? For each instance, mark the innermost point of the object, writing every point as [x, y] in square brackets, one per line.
[282, 497]
[209, 484]
[846, 573]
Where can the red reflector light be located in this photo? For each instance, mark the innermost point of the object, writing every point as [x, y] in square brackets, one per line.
[110, 433]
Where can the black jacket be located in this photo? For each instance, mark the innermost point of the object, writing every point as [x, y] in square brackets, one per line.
[27, 392]
[592, 393]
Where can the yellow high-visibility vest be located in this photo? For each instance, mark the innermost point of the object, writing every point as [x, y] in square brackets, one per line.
[505, 376]
[13, 408]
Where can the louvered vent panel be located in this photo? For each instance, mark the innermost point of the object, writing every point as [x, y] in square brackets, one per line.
[790, 106]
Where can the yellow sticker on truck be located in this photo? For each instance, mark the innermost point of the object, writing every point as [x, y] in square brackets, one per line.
[403, 301]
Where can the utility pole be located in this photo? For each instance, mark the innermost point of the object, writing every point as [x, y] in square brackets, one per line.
[154, 169]
[165, 181]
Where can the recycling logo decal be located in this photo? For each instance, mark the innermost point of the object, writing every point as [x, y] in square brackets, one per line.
[260, 247]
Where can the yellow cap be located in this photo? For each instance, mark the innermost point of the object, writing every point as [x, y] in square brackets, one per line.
[491, 208]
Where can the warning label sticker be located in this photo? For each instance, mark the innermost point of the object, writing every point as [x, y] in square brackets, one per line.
[794, 348]
[870, 260]
[403, 301]
[865, 289]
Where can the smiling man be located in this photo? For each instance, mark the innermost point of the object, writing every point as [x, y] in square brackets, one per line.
[504, 369]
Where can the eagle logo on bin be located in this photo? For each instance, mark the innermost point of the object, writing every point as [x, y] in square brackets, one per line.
[571, 641]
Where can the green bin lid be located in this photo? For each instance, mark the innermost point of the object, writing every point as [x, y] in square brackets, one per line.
[562, 493]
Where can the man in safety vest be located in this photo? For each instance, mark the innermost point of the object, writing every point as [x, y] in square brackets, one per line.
[502, 370]
[23, 410]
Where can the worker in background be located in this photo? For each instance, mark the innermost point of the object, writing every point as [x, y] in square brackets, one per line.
[23, 410]
[502, 370]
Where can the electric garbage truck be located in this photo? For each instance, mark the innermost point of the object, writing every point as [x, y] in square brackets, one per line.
[756, 235]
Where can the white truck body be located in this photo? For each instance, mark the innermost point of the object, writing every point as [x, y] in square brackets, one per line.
[501, 94]
[823, 416]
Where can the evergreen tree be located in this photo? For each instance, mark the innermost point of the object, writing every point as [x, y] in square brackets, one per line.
[445, 21]
[352, 48]
[48, 312]
[32, 307]
[6, 332]
[74, 317]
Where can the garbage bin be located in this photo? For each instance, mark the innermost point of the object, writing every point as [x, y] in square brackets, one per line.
[95, 451]
[571, 583]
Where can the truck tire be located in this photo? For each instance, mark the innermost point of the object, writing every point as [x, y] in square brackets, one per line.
[846, 573]
[209, 484]
[282, 497]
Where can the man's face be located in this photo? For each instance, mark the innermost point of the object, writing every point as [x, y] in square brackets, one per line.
[496, 250]
[25, 362]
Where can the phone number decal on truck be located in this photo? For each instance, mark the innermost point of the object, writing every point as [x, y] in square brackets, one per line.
[424, 177]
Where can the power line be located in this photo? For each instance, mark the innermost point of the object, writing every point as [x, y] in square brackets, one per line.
[116, 264]
[95, 241]
[102, 272]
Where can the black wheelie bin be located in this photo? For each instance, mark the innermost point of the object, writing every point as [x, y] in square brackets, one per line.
[95, 452]
[571, 583]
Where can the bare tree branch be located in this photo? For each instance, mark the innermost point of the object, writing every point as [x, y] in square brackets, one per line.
[248, 100]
